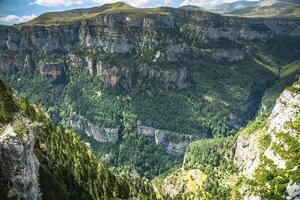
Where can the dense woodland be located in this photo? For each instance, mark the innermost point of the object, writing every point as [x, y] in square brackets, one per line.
[68, 168]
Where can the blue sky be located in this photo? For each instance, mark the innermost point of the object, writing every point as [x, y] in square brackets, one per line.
[17, 11]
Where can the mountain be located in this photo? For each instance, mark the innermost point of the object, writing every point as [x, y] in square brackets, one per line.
[260, 162]
[270, 8]
[191, 7]
[140, 85]
[41, 161]
[231, 7]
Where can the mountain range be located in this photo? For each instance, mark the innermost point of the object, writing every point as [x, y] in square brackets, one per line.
[118, 102]
[263, 8]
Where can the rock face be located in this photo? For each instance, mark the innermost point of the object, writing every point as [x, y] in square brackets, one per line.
[167, 138]
[51, 71]
[103, 135]
[19, 163]
[249, 152]
[286, 110]
[145, 40]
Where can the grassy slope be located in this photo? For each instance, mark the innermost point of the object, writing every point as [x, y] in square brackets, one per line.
[90, 13]
[276, 10]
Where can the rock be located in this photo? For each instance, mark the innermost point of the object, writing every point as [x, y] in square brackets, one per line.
[285, 110]
[177, 148]
[114, 76]
[248, 148]
[100, 134]
[229, 54]
[293, 190]
[146, 131]
[19, 163]
[51, 70]
[247, 154]
[13, 41]
[166, 138]
[278, 161]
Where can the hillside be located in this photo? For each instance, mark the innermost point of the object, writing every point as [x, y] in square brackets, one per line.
[261, 162]
[140, 85]
[119, 8]
[231, 7]
[191, 7]
[270, 8]
[41, 161]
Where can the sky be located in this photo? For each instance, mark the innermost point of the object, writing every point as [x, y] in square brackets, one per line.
[18, 11]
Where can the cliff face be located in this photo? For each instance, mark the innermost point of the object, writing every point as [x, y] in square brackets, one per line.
[272, 147]
[100, 134]
[19, 163]
[174, 143]
[261, 159]
[134, 36]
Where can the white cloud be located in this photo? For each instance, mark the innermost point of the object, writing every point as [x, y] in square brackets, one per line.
[17, 19]
[168, 1]
[205, 3]
[52, 3]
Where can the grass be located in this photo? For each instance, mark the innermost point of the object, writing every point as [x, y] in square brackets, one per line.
[120, 8]
[273, 69]
[89, 13]
[278, 9]
[291, 68]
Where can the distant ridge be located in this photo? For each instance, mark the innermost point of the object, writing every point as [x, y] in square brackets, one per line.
[90, 13]
[271, 8]
[230, 7]
[191, 7]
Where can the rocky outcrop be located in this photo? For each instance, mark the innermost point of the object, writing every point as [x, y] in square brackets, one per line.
[158, 135]
[230, 54]
[20, 165]
[286, 110]
[250, 154]
[51, 70]
[247, 154]
[174, 143]
[100, 134]
[178, 148]
[125, 77]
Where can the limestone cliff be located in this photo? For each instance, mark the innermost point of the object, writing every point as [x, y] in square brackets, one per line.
[19, 163]
[262, 162]
[109, 35]
[174, 143]
[272, 147]
[100, 134]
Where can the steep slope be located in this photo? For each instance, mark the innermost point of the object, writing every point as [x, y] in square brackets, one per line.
[262, 162]
[270, 8]
[174, 75]
[41, 161]
[231, 7]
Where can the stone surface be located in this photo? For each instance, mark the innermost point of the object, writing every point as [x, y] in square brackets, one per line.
[165, 138]
[100, 134]
[247, 154]
[19, 163]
